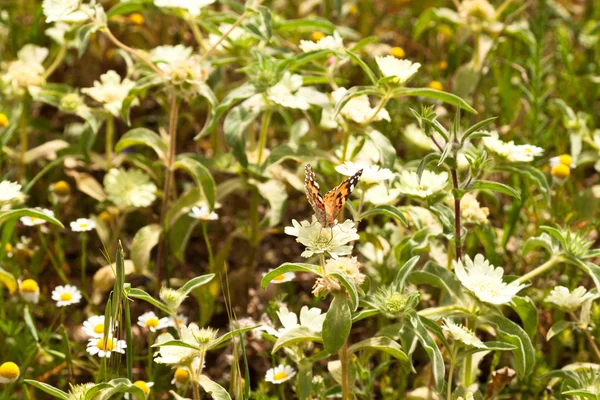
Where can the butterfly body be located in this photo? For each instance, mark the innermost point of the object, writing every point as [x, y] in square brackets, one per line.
[328, 207]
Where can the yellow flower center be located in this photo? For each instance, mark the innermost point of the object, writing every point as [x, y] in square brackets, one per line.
[353, 9]
[279, 278]
[3, 120]
[62, 188]
[136, 19]
[99, 328]
[561, 171]
[280, 375]
[66, 297]
[316, 36]
[105, 344]
[8, 248]
[565, 159]
[528, 150]
[142, 385]
[29, 286]
[83, 225]
[33, 219]
[398, 52]
[9, 370]
[437, 85]
[105, 217]
[181, 375]
[443, 65]
[152, 322]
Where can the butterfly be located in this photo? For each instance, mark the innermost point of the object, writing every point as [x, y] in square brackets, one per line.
[328, 207]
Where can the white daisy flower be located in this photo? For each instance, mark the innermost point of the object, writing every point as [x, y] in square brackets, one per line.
[94, 326]
[9, 372]
[371, 173]
[164, 55]
[105, 345]
[179, 319]
[462, 334]
[66, 295]
[334, 43]
[311, 318]
[33, 221]
[194, 7]
[178, 355]
[566, 300]
[485, 281]
[285, 277]
[66, 11]
[181, 68]
[29, 291]
[26, 71]
[511, 151]
[110, 91]
[9, 191]
[129, 188]
[381, 194]
[318, 240]
[150, 321]
[83, 225]
[280, 374]
[358, 109]
[290, 93]
[203, 213]
[429, 184]
[402, 70]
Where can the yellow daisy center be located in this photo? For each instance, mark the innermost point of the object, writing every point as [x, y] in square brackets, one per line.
[83, 225]
[316, 36]
[561, 171]
[279, 277]
[152, 322]
[566, 159]
[62, 188]
[437, 85]
[66, 297]
[181, 375]
[398, 52]
[29, 286]
[136, 19]
[105, 344]
[142, 385]
[99, 328]
[8, 248]
[280, 375]
[443, 65]
[3, 120]
[9, 370]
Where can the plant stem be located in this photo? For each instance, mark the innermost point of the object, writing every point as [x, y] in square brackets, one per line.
[110, 131]
[84, 242]
[381, 104]
[450, 376]
[59, 57]
[24, 139]
[163, 268]
[53, 260]
[345, 142]
[149, 355]
[208, 246]
[457, 239]
[590, 339]
[469, 359]
[262, 140]
[197, 33]
[540, 270]
[343, 354]
[237, 23]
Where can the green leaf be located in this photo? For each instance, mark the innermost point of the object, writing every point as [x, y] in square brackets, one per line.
[436, 95]
[528, 313]
[30, 324]
[495, 186]
[489, 346]
[425, 161]
[235, 126]
[27, 212]
[386, 345]
[201, 175]
[534, 175]
[265, 19]
[195, 283]
[121, 385]
[297, 335]
[177, 343]
[354, 91]
[559, 327]
[125, 8]
[431, 349]
[51, 390]
[370, 74]
[274, 191]
[216, 391]
[143, 242]
[590, 268]
[304, 379]
[512, 333]
[305, 25]
[83, 36]
[404, 271]
[473, 129]
[143, 137]
[236, 332]
[387, 210]
[136, 293]
[337, 324]
[350, 287]
[289, 267]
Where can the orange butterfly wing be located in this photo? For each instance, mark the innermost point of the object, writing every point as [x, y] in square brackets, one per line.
[313, 193]
[335, 199]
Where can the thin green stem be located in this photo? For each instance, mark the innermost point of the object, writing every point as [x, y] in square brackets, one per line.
[110, 132]
[59, 58]
[343, 355]
[237, 23]
[24, 140]
[540, 270]
[196, 32]
[53, 260]
[84, 244]
[211, 262]
[380, 106]
[588, 336]
[450, 376]
[149, 355]
[345, 142]
[262, 140]
[469, 359]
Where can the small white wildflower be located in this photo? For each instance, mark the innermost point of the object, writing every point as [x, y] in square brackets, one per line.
[104, 346]
[358, 109]
[29, 291]
[429, 184]
[334, 43]
[131, 188]
[150, 321]
[462, 334]
[402, 70]
[66, 295]
[566, 300]
[381, 194]
[194, 7]
[348, 266]
[371, 173]
[318, 240]
[311, 318]
[471, 211]
[203, 213]
[511, 151]
[94, 326]
[83, 225]
[285, 277]
[9, 191]
[110, 91]
[280, 374]
[33, 221]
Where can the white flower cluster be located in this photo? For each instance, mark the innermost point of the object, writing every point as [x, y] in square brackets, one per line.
[510, 151]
